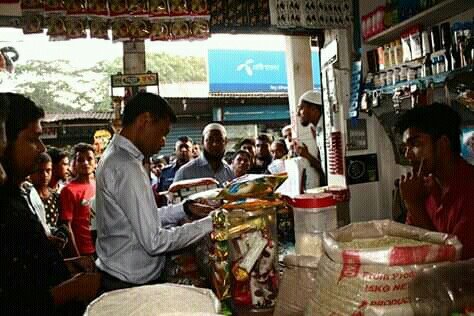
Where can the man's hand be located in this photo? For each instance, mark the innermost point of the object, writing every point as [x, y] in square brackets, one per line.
[412, 188]
[302, 151]
[59, 243]
[196, 209]
[82, 287]
[86, 286]
[413, 193]
[80, 264]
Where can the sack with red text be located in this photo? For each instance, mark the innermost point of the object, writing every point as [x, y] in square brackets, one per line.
[367, 267]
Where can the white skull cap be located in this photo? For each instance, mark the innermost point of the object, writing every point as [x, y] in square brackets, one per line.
[312, 97]
[214, 127]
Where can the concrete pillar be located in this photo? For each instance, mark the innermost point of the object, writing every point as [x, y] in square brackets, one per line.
[299, 73]
[134, 57]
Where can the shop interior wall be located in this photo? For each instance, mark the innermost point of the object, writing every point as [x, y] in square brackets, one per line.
[374, 200]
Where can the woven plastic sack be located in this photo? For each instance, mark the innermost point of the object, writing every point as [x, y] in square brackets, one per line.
[297, 285]
[374, 280]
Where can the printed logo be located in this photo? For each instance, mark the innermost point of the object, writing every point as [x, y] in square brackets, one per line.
[250, 67]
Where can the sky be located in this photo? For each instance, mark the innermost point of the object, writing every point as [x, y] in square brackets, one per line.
[87, 52]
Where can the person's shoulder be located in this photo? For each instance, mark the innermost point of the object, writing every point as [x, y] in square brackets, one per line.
[194, 163]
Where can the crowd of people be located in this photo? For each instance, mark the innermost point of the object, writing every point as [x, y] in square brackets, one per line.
[76, 227]
[73, 227]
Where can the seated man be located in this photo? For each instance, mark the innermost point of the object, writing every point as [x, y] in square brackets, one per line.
[438, 193]
[210, 164]
[35, 278]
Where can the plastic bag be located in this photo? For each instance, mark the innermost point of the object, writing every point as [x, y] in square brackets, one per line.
[252, 186]
[443, 289]
[374, 281]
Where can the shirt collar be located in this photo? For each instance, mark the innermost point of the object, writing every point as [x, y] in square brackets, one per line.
[128, 146]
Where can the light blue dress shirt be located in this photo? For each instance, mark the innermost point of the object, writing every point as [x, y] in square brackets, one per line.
[131, 236]
[200, 168]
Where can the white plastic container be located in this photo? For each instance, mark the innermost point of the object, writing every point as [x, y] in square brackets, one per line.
[313, 214]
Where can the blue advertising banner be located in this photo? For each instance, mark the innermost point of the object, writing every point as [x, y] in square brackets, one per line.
[234, 71]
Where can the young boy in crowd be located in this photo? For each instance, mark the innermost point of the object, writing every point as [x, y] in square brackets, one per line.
[76, 200]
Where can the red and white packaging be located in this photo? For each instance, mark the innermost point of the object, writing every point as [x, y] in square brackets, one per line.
[118, 8]
[375, 281]
[159, 8]
[97, 7]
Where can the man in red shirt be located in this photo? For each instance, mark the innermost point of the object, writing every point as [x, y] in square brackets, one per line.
[439, 193]
[76, 199]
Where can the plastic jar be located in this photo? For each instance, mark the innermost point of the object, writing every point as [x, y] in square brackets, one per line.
[314, 214]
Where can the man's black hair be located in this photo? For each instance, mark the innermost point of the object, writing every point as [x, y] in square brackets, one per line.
[82, 148]
[264, 138]
[185, 139]
[435, 120]
[3, 108]
[44, 158]
[147, 102]
[57, 155]
[22, 112]
[241, 152]
[247, 141]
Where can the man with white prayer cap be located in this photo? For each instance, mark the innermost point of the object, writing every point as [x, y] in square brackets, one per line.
[210, 163]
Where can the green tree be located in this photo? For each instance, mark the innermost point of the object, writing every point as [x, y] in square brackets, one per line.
[59, 87]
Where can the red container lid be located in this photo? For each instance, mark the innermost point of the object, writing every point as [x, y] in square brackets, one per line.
[318, 200]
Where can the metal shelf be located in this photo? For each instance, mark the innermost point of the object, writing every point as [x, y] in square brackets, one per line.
[440, 12]
[438, 79]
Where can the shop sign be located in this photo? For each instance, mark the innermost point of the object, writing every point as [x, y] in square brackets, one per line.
[147, 79]
[240, 71]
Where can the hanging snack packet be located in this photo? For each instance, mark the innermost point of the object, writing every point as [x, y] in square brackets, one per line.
[118, 8]
[160, 30]
[180, 29]
[99, 27]
[51, 6]
[32, 23]
[97, 7]
[75, 7]
[32, 5]
[57, 27]
[252, 185]
[159, 8]
[139, 29]
[200, 29]
[138, 7]
[178, 7]
[199, 7]
[76, 27]
[120, 28]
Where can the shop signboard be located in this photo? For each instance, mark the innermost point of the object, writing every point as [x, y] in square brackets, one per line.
[145, 79]
[244, 71]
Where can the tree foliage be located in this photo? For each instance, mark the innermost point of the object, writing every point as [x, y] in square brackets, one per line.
[59, 87]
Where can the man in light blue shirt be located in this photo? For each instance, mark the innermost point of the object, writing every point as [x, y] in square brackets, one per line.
[210, 163]
[132, 240]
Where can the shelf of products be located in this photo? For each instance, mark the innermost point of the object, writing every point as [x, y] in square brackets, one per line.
[438, 13]
[438, 79]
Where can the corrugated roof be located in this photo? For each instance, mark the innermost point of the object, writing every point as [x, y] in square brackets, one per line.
[55, 117]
